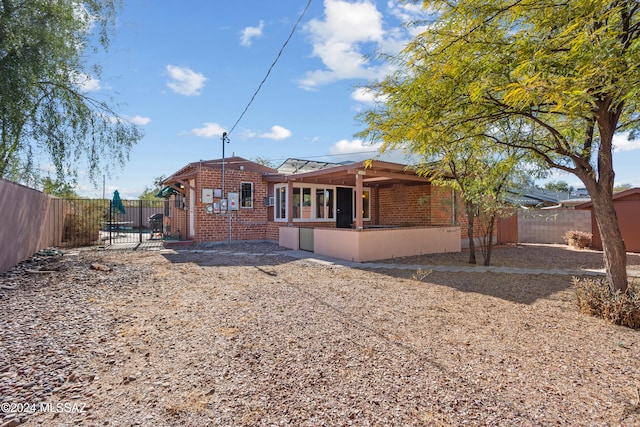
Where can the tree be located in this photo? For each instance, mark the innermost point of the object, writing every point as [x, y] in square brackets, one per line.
[560, 186]
[58, 188]
[44, 109]
[264, 162]
[567, 75]
[149, 193]
[622, 187]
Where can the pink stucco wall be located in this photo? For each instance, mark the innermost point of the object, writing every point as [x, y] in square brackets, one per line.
[289, 238]
[377, 244]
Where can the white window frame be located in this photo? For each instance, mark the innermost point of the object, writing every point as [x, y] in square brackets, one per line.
[314, 209]
[250, 197]
[280, 198]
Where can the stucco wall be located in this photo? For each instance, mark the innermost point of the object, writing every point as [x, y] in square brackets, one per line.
[28, 223]
[376, 244]
[550, 225]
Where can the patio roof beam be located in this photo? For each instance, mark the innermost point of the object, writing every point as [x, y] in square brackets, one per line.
[372, 174]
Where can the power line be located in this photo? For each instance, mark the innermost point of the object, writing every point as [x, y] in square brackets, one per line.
[271, 67]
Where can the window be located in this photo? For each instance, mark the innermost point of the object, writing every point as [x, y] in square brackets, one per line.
[281, 203]
[312, 203]
[302, 203]
[246, 194]
[324, 203]
[178, 201]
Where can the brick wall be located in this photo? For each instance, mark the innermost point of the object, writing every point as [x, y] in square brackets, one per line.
[246, 223]
[405, 205]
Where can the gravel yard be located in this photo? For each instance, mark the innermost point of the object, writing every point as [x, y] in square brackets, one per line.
[249, 336]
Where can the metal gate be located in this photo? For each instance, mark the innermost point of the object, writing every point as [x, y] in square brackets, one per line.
[126, 224]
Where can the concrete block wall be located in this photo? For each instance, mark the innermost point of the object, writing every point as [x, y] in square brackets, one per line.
[550, 225]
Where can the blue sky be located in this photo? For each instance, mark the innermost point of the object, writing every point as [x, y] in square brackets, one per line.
[185, 71]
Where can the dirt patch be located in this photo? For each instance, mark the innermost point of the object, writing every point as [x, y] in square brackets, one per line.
[525, 256]
[218, 338]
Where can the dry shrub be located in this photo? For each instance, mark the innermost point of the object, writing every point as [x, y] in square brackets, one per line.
[596, 299]
[578, 239]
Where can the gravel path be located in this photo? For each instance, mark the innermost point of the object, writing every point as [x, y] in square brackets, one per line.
[249, 336]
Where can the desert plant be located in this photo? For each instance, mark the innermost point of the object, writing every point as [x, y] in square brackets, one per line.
[594, 298]
[578, 239]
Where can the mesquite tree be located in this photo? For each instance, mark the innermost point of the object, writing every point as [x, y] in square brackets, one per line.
[565, 74]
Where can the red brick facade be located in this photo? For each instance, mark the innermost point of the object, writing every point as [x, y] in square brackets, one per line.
[247, 223]
[407, 205]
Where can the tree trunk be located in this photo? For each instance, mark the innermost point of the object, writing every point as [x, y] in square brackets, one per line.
[469, 209]
[488, 240]
[613, 247]
[601, 192]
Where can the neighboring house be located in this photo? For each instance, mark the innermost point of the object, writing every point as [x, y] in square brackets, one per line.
[627, 206]
[542, 198]
[358, 211]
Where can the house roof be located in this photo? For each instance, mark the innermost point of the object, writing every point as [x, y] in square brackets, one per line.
[234, 163]
[536, 196]
[374, 173]
[617, 196]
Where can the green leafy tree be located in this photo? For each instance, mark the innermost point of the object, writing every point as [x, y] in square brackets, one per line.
[149, 193]
[45, 109]
[560, 186]
[566, 74]
[58, 188]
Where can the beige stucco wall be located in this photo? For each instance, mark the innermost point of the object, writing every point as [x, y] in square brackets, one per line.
[371, 245]
[289, 238]
[27, 223]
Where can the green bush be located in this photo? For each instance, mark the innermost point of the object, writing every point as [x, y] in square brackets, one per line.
[595, 298]
[578, 239]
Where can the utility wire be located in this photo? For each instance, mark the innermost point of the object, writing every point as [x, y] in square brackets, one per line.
[271, 67]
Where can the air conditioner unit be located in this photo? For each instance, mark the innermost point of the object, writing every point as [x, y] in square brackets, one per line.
[269, 201]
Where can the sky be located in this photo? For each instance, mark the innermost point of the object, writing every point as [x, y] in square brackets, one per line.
[185, 72]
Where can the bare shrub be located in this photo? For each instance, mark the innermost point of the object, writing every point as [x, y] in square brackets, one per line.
[595, 298]
[578, 239]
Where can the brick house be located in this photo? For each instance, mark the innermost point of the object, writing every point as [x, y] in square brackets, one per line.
[359, 211]
[195, 194]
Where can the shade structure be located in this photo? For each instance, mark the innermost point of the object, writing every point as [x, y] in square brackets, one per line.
[116, 203]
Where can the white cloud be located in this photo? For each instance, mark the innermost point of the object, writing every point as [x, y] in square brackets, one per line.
[86, 82]
[139, 120]
[356, 146]
[185, 81]
[337, 41]
[249, 33]
[621, 143]
[350, 30]
[366, 96]
[277, 133]
[209, 130]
